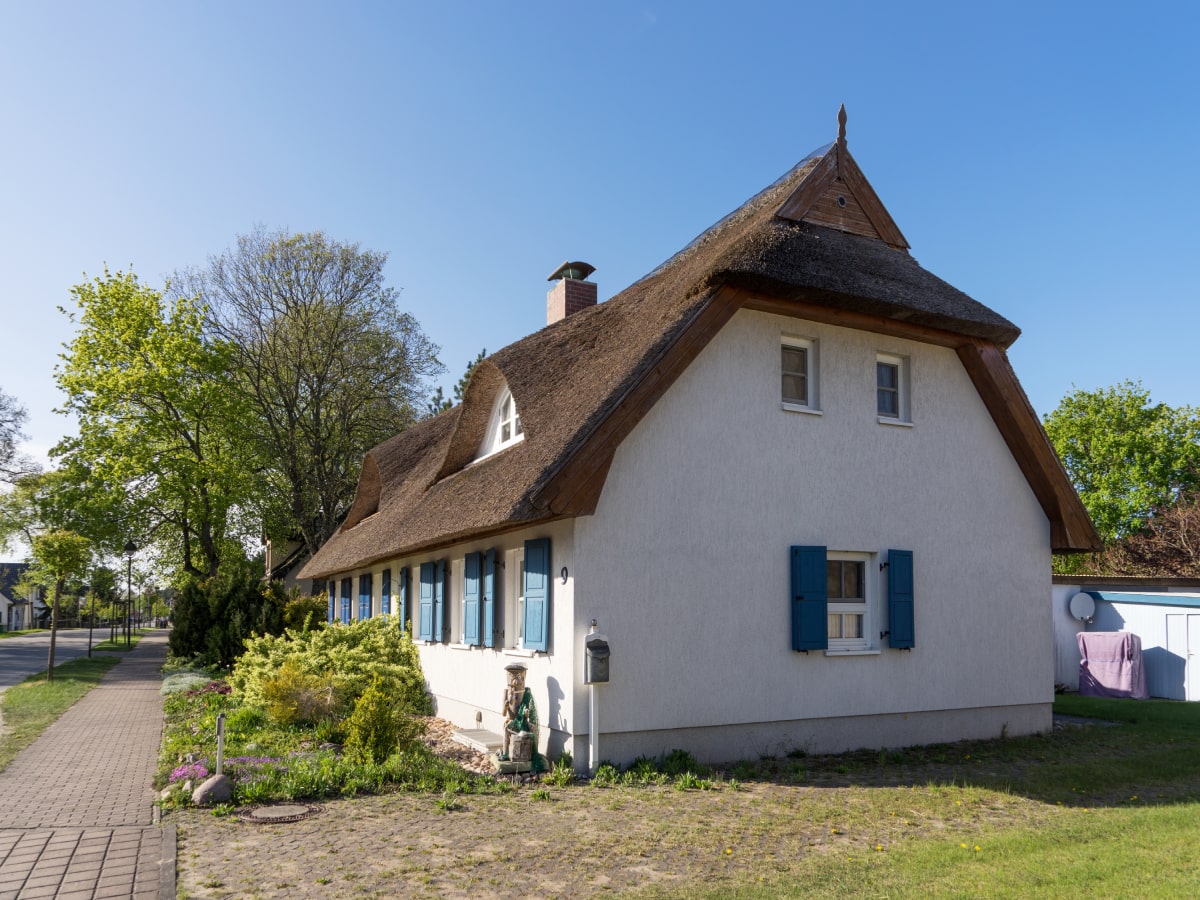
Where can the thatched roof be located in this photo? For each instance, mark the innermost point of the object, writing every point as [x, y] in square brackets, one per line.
[420, 490]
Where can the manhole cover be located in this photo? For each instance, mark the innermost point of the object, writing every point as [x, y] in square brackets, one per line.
[277, 814]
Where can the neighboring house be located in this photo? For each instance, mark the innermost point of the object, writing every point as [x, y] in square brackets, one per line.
[790, 474]
[284, 562]
[17, 610]
[1163, 612]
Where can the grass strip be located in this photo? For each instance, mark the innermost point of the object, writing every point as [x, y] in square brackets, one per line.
[29, 708]
[118, 644]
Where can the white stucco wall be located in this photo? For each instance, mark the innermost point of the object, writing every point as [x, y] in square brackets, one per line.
[686, 564]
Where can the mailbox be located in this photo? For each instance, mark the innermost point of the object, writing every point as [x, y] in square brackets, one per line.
[595, 660]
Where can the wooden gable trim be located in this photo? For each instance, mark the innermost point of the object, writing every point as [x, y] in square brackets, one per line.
[575, 488]
[856, 181]
[810, 189]
[803, 203]
[1071, 530]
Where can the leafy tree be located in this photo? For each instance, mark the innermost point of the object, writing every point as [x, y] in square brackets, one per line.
[1125, 455]
[57, 555]
[161, 452]
[13, 463]
[330, 363]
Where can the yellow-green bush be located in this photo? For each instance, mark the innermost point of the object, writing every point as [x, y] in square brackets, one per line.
[293, 696]
[351, 655]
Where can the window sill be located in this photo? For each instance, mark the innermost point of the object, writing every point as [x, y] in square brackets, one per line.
[899, 423]
[797, 408]
[461, 646]
[853, 652]
[523, 654]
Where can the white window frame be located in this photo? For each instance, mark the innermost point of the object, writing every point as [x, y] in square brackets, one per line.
[494, 441]
[514, 599]
[868, 608]
[903, 389]
[809, 346]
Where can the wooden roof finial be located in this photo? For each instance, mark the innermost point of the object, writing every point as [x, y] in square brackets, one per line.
[842, 126]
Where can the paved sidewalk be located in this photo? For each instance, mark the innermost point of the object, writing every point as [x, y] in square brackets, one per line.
[76, 807]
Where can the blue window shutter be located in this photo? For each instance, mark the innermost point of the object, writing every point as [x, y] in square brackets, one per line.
[810, 599]
[537, 594]
[471, 587]
[332, 600]
[901, 619]
[346, 585]
[489, 598]
[403, 611]
[439, 600]
[426, 604]
[385, 592]
[364, 596]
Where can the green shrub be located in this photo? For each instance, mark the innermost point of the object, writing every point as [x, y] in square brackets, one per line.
[215, 617]
[351, 654]
[562, 774]
[678, 762]
[380, 725]
[301, 612]
[293, 697]
[606, 775]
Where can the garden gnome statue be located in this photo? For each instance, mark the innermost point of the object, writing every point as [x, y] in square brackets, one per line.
[517, 700]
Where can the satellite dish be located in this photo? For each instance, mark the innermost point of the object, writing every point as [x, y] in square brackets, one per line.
[1083, 607]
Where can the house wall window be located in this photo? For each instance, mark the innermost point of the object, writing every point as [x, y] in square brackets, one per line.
[851, 599]
[892, 389]
[385, 592]
[347, 583]
[514, 609]
[798, 374]
[837, 604]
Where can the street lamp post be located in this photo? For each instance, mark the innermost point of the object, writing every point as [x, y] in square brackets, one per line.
[130, 549]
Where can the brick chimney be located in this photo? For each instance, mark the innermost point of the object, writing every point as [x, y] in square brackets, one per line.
[571, 292]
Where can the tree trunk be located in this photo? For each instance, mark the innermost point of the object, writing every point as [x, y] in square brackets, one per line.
[53, 628]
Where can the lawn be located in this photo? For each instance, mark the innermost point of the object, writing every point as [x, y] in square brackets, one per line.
[29, 708]
[1107, 808]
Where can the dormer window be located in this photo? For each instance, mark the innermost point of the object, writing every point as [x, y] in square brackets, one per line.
[510, 420]
[504, 427]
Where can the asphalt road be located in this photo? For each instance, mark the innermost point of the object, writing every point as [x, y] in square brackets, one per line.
[26, 654]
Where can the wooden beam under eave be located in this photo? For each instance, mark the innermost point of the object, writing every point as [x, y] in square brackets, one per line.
[575, 488]
[814, 312]
[1071, 530]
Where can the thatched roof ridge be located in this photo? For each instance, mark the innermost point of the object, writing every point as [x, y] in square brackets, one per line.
[567, 378]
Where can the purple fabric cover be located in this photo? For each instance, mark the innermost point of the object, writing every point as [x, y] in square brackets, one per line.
[1110, 665]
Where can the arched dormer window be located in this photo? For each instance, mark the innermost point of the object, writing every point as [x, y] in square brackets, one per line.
[504, 426]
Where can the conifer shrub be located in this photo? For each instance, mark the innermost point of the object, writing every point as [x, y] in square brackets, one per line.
[380, 725]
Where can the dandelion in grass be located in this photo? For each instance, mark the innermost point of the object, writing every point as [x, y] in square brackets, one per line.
[879, 848]
[977, 848]
[964, 846]
[728, 851]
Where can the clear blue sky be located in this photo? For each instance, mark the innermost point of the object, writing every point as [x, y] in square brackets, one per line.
[1043, 157]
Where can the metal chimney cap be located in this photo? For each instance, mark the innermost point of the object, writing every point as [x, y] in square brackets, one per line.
[576, 271]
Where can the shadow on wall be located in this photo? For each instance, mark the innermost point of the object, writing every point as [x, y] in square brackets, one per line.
[1167, 673]
[556, 740]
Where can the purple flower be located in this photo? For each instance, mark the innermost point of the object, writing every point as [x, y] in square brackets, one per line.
[191, 771]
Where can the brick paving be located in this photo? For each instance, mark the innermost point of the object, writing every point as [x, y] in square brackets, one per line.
[76, 806]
